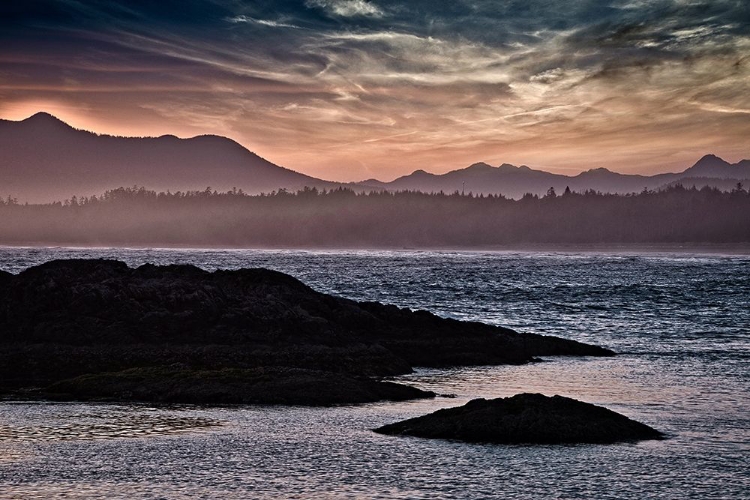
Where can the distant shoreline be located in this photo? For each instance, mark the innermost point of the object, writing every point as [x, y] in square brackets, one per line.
[676, 219]
[700, 248]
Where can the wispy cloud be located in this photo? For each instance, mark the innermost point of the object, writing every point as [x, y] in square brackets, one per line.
[262, 22]
[347, 8]
[320, 85]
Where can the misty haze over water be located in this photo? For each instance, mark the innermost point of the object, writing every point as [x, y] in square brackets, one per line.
[342, 218]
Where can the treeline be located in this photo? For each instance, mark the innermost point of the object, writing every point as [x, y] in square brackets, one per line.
[344, 218]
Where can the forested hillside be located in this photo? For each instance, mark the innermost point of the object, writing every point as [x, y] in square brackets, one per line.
[343, 218]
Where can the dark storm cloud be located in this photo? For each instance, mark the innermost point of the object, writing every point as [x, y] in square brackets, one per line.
[350, 79]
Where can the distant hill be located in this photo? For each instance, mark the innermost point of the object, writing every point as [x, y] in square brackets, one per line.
[514, 182]
[43, 159]
[711, 166]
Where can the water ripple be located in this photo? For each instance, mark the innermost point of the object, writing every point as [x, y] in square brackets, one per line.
[679, 320]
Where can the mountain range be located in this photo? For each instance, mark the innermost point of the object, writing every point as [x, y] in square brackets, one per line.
[514, 182]
[43, 159]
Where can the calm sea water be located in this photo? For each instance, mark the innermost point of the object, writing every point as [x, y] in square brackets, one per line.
[680, 322]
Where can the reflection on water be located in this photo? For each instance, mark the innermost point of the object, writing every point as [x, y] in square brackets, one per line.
[680, 320]
[104, 423]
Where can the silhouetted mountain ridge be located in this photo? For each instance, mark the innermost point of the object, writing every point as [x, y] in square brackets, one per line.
[44, 159]
[45, 119]
[713, 166]
[515, 181]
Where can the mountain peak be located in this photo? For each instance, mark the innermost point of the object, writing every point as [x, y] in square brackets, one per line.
[709, 166]
[44, 159]
[480, 166]
[709, 156]
[42, 118]
[710, 160]
[507, 167]
[474, 168]
[597, 171]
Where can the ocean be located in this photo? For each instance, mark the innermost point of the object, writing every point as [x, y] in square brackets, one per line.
[679, 321]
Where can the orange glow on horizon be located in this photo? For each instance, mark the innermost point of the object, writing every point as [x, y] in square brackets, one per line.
[347, 94]
[569, 158]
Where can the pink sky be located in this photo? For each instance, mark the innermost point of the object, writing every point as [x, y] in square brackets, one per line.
[351, 89]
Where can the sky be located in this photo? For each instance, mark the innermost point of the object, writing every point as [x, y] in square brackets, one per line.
[348, 90]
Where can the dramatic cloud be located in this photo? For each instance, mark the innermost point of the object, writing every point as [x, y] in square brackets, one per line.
[350, 89]
[347, 8]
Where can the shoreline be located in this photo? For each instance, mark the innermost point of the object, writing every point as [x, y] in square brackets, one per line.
[739, 249]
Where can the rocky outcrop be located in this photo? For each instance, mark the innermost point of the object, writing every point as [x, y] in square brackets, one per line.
[525, 418]
[65, 319]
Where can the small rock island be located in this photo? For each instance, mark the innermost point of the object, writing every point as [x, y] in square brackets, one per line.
[525, 419]
[100, 330]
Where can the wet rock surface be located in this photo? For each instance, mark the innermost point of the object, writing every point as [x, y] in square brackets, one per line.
[65, 319]
[525, 419]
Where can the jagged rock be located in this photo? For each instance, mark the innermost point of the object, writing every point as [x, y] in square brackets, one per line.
[525, 418]
[68, 318]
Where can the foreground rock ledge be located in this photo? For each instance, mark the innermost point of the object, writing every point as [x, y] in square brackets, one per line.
[100, 318]
[525, 419]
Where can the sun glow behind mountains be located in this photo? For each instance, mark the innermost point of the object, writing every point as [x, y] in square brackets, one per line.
[353, 89]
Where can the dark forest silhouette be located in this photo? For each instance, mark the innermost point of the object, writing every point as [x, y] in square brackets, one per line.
[344, 218]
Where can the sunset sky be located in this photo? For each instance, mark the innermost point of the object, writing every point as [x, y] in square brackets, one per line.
[354, 89]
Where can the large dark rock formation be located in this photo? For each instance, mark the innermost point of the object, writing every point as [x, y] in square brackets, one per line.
[64, 319]
[525, 418]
